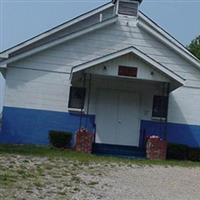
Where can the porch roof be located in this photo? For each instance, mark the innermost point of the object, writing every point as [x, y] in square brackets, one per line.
[169, 73]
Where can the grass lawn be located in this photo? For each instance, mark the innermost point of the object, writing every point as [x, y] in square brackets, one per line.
[33, 172]
[45, 151]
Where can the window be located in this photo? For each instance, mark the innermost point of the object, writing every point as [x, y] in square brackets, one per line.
[77, 97]
[127, 71]
[160, 106]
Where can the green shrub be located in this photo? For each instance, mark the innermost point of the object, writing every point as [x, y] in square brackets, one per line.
[60, 139]
[177, 152]
[194, 154]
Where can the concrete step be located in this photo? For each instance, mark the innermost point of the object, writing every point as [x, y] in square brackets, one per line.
[118, 150]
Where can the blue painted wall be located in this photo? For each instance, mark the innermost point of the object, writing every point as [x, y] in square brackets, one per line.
[176, 133]
[29, 126]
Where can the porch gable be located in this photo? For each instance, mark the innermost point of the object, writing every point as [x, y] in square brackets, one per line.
[148, 68]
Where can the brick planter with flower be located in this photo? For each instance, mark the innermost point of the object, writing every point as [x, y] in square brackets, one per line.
[84, 141]
[156, 148]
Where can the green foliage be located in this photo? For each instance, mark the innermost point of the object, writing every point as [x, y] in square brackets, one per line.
[6, 178]
[183, 152]
[60, 139]
[177, 152]
[194, 154]
[54, 153]
[194, 47]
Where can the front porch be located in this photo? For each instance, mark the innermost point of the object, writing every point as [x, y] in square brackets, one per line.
[122, 93]
[120, 105]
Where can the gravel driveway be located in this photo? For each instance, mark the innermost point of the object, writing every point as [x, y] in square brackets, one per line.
[25, 177]
[154, 183]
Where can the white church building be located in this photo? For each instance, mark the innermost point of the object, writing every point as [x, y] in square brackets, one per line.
[112, 71]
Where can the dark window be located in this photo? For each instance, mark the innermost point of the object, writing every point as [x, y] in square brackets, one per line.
[128, 8]
[160, 106]
[127, 71]
[77, 97]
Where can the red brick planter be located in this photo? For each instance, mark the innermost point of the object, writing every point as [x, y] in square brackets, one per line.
[156, 148]
[84, 141]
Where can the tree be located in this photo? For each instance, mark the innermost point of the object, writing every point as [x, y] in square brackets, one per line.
[194, 47]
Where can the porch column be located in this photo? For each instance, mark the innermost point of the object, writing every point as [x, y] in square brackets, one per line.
[166, 92]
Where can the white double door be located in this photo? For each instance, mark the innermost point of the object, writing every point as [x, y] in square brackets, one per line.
[117, 117]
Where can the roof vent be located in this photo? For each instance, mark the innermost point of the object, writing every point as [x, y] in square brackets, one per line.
[127, 7]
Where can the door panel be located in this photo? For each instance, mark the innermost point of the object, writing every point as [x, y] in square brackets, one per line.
[106, 118]
[128, 122]
[117, 117]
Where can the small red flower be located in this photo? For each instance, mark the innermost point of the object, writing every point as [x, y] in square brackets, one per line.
[83, 130]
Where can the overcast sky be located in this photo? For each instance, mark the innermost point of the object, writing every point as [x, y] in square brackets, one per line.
[23, 19]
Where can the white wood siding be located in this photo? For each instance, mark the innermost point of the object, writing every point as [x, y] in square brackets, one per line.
[107, 40]
[37, 89]
[184, 106]
[110, 39]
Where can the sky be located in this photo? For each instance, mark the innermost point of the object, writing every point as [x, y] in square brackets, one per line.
[23, 19]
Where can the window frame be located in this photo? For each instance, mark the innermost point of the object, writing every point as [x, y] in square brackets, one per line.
[162, 112]
[83, 95]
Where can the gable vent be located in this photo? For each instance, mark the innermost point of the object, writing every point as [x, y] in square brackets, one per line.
[128, 8]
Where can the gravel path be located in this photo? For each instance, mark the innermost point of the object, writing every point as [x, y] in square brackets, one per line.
[155, 183]
[25, 177]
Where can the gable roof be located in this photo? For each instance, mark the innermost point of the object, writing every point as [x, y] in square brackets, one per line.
[136, 52]
[154, 29]
[143, 22]
[59, 41]
[62, 26]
